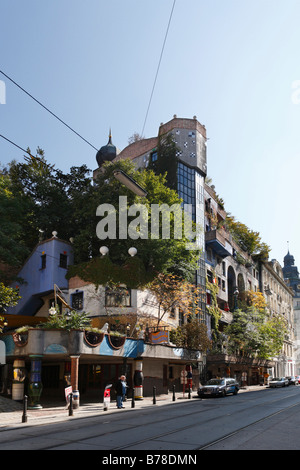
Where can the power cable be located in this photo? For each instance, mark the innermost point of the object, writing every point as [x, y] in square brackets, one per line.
[158, 67]
[49, 111]
[18, 146]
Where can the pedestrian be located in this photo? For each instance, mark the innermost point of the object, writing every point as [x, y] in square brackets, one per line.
[121, 391]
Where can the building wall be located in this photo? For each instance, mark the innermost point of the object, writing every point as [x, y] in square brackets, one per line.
[143, 303]
[39, 278]
[190, 137]
[280, 301]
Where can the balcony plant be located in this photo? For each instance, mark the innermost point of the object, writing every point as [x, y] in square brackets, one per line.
[116, 340]
[93, 336]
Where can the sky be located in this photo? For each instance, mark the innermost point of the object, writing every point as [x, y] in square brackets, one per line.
[234, 64]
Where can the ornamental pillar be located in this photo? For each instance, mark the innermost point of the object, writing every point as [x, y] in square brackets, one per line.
[35, 386]
[138, 379]
[74, 380]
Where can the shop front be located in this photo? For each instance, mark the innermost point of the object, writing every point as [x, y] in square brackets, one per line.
[246, 371]
[53, 360]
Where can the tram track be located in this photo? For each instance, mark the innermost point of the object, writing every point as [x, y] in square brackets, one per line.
[216, 441]
[117, 426]
[228, 436]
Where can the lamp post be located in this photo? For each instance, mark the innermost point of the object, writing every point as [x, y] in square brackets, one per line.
[235, 295]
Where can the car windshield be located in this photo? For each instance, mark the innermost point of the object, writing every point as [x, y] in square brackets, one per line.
[276, 378]
[215, 382]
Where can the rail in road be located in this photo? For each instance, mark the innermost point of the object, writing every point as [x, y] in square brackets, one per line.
[194, 425]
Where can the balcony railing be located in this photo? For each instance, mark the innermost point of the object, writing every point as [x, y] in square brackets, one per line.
[219, 241]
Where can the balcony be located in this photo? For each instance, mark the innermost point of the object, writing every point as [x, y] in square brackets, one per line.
[217, 240]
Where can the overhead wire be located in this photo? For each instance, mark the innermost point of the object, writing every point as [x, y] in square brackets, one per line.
[47, 109]
[67, 125]
[16, 145]
[158, 67]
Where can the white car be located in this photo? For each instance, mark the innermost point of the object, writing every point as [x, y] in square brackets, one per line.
[279, 382]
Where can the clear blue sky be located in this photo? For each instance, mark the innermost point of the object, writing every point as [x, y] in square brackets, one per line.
[231, 63]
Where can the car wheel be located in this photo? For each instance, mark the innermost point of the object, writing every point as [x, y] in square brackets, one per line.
[235, 391]
[223, 393]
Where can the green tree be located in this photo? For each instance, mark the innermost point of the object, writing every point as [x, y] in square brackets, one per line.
[13, 248]
[173, 293]
[247, 239]
[9, 297]
[73, 321]
[191, 335]
[158, 255]
[34, 196]
[42, 197]
[256, 334]
[167, 160]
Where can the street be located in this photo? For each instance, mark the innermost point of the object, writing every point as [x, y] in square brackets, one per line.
[260, 420]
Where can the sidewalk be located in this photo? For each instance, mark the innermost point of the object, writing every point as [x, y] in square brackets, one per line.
[11, 412]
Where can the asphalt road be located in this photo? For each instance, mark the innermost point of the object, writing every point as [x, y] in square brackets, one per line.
[262, 420]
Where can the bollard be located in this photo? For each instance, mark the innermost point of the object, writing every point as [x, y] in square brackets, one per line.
[154, 395]
[173, 393]
[24, 417]
[71, 405]
[132, 401]
[189, 392]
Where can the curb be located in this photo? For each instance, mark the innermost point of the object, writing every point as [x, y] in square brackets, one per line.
[52, 413]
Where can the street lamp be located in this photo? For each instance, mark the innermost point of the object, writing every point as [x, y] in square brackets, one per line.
[129, 182]
[103, 250]
[52, 310]
[235, 295]
[132, 251]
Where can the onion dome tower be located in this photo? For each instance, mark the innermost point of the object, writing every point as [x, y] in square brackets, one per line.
[288, 260]
[106, 153]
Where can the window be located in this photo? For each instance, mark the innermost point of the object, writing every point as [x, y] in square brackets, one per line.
[63, 261]
[209, 276]
[172, 313]
[43, 261]
[154, 156]
[223, 268]
[77, 300]
[119, 297]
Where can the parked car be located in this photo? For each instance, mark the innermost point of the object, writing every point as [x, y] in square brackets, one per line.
[278, 382]
[292, 380]
[219, 387]
[297, 377]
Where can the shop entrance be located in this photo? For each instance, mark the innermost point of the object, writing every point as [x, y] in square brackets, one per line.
[93, 378]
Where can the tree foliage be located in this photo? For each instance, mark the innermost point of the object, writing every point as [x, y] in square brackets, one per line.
[173, 293]
[9, 297]
[73, 321]
[191, 335]
[255, 333]
[36, 197]
[248, 240]
[167, 160]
